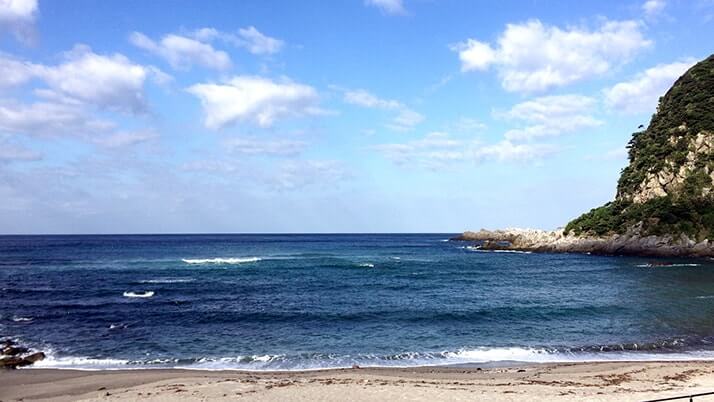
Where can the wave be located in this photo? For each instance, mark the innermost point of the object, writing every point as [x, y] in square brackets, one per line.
[316, 361]
[22, 319]
[366, 265]
[217, 261]
[480, 250]
[168, 280]
[139, 294]
[667, 265]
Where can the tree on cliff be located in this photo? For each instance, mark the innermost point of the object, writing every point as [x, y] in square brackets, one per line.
[668, 186]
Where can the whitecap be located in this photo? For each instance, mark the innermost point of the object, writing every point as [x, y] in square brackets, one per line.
[22, 319]
[666, 265]
[199, 261]
[366, 265]
[139, 294]
[168, 280]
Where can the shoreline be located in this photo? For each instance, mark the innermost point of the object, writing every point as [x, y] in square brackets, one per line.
[622, 380]
[630, 244]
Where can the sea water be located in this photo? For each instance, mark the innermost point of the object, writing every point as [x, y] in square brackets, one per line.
[289, 302]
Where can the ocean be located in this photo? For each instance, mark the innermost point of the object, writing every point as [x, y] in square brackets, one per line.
[297, 302]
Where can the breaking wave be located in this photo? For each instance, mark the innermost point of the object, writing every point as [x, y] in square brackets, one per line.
[168, 280]
[314, 361]
[139, 294]
[218, 261]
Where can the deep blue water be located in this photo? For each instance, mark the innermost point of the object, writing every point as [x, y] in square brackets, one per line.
[310, 301]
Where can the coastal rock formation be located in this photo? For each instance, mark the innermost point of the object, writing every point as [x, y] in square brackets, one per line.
[664, 204]
[632, 242]
[12, 356]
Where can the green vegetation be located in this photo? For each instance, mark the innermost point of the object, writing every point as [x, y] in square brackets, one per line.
[685, 111]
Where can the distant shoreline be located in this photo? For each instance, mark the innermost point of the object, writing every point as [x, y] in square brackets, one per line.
[607, 381]
[631, 243]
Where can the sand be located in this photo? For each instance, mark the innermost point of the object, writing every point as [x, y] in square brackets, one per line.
[618, 381]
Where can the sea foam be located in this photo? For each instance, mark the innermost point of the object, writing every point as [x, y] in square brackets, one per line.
[218, 261]
[139, 294]
[168, 280]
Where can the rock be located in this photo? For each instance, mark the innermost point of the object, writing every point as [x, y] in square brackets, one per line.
[11, 362]
[14, 350]
[35, 357]
[630, 243]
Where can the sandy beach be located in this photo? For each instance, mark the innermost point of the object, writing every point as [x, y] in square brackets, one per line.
[611, 381]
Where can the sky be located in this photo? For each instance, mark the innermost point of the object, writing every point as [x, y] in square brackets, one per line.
[327, 116]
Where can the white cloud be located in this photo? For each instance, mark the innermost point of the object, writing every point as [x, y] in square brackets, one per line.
[182, 52]
[257, 43]
[392, 7]
[14, 72]
[110, 82]
[57, 119]
[641, 94]
[125, 138]
[533, 56]
[551, 116]
[18, 17]
[46, 119]
[652, 8]
[254, 146]
[438, 150]
[254, 99]
[475, 55]
[361, 97]
[248, 38]
[405, 119]
[67, 93]
[508, 151]
[467, 125]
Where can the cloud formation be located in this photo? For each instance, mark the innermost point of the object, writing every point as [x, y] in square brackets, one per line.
[182, 52]
[391, 7]
[76, 97]
[550, 116]
[254, 99]
[18, 18]
[533, 56]
[438, 150]
[653, 8]
[248, 38]
[405, 118]
[641, 94]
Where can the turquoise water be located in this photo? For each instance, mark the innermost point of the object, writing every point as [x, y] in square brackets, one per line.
[314, 301]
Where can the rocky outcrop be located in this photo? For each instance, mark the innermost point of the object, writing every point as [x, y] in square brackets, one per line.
[670, 179]
[664, 204]
[630, 243]
[14, 356]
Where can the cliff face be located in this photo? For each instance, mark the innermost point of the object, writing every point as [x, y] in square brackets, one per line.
[665, 196]
[667, 187]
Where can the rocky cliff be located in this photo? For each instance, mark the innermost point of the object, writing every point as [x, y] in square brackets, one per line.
[665, 199]
[667, 187]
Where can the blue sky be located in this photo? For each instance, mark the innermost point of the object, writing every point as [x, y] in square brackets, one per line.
[315, 116]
